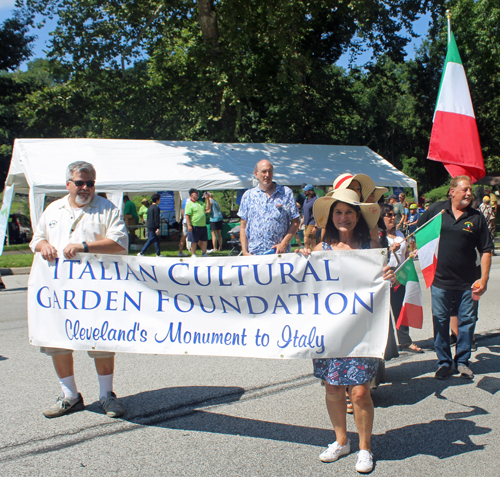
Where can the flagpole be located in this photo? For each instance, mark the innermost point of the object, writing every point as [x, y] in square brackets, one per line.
[422, 226]
[401, 265]
[448, 16]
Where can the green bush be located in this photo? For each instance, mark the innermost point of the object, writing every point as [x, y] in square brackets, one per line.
[435, 195]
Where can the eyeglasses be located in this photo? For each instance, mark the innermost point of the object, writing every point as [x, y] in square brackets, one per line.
[390, 214]
[89, 184]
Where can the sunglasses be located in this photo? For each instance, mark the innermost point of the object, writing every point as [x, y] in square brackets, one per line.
[390, 214]
[89, 184]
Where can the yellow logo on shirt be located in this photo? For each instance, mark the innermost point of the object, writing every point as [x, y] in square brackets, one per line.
[468, 226]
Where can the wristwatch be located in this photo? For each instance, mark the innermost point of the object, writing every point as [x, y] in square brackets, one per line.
[85, 247]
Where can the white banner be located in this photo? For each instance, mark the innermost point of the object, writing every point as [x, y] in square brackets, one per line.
[8, 194]
[333, 304]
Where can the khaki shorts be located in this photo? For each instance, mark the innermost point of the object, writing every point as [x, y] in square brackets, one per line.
[62, 351]
[309, 232]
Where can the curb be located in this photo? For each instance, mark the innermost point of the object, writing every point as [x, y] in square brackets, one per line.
[5, 272]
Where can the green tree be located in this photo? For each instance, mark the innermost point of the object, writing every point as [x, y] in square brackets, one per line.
[226, 70]
[15, 48]
[16, 44]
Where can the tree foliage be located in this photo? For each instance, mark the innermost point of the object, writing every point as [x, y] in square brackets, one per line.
[16, 44]
[255, 71]
[15, 48]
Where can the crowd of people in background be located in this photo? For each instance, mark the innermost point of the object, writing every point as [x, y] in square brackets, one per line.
[406, 213]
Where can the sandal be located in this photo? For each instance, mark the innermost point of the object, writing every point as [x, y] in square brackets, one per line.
[412, 348]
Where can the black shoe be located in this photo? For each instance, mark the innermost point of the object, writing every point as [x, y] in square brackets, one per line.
[453, 340]
[465, 372]
[444, 372]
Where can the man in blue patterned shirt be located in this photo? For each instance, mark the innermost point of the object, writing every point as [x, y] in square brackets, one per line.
[269, 215]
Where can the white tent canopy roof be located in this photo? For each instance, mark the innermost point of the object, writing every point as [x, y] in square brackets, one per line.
[144, 166]
[295, 164]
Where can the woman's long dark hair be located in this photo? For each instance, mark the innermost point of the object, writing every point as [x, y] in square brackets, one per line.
[361, 231]
[382, 229]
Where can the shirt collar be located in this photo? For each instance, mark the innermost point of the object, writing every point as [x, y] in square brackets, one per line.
[263, 191]
[466, 211]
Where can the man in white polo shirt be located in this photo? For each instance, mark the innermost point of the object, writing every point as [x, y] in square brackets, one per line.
[80, 222]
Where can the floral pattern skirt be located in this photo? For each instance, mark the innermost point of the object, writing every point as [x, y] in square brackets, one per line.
[346, 371]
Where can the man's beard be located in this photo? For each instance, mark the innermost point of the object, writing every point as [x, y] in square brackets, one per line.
[81, 200]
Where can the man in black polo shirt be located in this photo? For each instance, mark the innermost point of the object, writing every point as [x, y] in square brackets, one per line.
[463, 231]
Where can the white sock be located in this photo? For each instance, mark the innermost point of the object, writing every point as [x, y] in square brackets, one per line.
[105, 384]
[68, 386]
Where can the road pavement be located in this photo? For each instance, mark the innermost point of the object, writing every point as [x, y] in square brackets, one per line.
[214, 416]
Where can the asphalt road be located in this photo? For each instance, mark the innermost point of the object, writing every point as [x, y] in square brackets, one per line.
[210, 416]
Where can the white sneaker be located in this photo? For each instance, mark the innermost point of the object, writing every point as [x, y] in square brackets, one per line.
[140, 254]
[181, 254]
[365, 462]
[193, 256]
[209, 252]
[335, 451]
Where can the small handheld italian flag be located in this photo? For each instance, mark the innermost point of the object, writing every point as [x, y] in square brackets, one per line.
[454, 137]
[427, 238]
[412, 313]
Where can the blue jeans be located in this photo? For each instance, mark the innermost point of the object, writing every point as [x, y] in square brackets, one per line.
[152, 237]
[467, 317]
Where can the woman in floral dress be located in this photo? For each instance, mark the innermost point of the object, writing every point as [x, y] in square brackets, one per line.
[347, 223]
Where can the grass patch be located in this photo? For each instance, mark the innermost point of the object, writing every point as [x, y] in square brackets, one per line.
[168, 249]
[16, 261]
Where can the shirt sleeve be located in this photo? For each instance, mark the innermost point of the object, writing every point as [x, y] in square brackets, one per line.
[291, 204]
[116, 229]
[485, 244]
[430, 212]
[39, 234]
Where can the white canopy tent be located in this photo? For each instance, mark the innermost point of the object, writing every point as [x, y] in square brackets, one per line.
[319, 165]
[145, 166]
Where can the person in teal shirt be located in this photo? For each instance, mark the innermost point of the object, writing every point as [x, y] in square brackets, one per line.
[216, 221]
[130, 210]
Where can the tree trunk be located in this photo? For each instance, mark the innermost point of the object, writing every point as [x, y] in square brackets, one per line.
[208, 21]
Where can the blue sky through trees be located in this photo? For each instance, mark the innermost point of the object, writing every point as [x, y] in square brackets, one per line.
[40, 46]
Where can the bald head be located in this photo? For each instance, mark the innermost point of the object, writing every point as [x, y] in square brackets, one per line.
[264, 173]
[262, 163]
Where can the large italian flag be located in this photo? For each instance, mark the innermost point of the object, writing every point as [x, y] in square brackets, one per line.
[454, 137]
[412, 313]
[427, 238]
